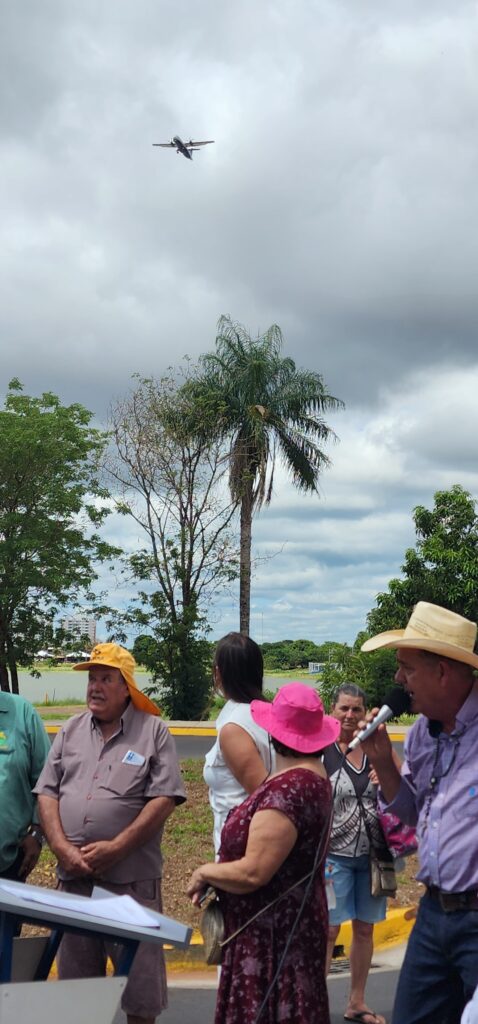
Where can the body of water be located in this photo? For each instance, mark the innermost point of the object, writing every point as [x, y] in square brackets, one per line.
[64, 685]
[69, 686]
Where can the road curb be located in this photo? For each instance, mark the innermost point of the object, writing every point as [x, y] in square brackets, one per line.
[391, 932]
[199, 729]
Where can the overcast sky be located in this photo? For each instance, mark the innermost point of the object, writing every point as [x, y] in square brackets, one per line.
[339, 201]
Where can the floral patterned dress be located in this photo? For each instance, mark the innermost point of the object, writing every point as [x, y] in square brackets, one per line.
[250, 960]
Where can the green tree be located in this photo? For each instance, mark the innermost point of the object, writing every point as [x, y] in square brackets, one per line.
[179, 658]
[443, 566]
[49, 515]
[170, 485]
[373, 672]
[292, 654]
[262, 406]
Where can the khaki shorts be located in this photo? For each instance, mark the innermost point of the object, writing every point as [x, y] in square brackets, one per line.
[80, 956]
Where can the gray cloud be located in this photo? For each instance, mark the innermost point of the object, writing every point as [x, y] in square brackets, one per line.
[339, 201]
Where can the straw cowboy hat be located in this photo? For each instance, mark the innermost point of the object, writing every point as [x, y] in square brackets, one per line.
[296, 719]
[114, 656]
[435, 629]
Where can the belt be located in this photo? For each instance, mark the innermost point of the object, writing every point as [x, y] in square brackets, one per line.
[451, 901]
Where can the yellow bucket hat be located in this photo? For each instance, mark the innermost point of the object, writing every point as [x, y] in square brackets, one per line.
[114, 656]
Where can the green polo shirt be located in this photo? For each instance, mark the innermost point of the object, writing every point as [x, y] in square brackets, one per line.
[24, 746]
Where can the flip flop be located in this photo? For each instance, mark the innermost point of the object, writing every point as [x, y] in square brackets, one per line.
[360, 1016]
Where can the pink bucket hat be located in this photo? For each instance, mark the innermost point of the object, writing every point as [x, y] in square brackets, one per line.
[296, 718]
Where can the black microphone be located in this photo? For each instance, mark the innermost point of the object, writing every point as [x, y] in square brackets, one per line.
[434, 728]
[396, 702]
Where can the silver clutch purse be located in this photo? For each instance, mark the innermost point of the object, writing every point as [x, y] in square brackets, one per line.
[212, 930]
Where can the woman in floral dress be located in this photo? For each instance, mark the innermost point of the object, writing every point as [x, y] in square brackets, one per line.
[269, 843]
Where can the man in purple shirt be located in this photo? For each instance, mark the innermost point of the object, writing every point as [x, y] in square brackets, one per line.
[111, 780]
[437, 790]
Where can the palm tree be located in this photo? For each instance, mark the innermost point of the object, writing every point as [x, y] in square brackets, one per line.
[264, 407]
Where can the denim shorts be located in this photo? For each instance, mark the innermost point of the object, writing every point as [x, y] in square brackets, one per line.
[350, 878]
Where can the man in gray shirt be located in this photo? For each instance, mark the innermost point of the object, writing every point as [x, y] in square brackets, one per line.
[110, 782]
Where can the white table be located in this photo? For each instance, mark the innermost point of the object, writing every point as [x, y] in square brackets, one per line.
[18, 904]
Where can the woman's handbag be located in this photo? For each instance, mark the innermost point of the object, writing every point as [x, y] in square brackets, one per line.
[401, 839]
[212, 930]
[383, 880]
[212, 921]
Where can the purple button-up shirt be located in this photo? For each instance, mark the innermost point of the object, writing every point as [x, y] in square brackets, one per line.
[446, 814]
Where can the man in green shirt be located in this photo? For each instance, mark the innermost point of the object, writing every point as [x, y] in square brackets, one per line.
[24, 746]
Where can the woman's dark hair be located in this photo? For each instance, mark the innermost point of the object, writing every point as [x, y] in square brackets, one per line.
[241, 667]
[280, 748]
[352, 691]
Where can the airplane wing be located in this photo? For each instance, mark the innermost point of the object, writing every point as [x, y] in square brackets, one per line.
[165, 145]
[206, 142]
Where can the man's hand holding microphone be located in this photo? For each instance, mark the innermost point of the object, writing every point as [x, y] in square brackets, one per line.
[372, 735]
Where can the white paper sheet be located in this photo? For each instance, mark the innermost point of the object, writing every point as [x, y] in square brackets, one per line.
[122, 909]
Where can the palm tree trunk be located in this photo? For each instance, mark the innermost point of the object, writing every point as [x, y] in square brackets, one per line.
[245, 559]
[12, 665]
[4, 677]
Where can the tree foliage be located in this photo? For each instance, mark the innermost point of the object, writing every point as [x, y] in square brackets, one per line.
[49, 515]
[178, 657]
[263, 407]
[443, 566]
[169, 480]
[296, 654]
[373, 672]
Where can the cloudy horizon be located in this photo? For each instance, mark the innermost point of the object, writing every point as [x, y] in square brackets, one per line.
[338, 200]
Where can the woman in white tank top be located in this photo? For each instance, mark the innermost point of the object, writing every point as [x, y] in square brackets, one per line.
[241, 757]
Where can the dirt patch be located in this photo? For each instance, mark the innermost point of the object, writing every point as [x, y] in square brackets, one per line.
[409, 891]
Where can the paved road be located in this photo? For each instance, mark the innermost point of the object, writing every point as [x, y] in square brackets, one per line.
[198, 746]
[193, 746]
[192, 1005]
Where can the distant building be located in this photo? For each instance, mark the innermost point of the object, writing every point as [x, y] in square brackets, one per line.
[317, 667]
[80, 625]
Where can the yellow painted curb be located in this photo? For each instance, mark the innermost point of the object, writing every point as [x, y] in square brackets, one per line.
[391, 932]
[210, 730]
[395, 929]
[175, 730]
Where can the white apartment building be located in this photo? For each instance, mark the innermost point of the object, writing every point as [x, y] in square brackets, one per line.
[80, 625]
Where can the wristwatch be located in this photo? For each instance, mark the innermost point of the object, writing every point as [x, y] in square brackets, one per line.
[37, 834]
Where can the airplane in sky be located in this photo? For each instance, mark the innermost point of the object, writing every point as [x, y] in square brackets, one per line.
[186, 148]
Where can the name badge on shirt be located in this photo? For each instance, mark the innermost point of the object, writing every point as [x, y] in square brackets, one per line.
[131, 757]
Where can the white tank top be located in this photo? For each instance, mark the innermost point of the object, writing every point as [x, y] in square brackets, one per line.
[225, 792]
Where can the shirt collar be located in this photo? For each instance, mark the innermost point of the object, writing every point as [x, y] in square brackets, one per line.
[468, 710]
[5, 703]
